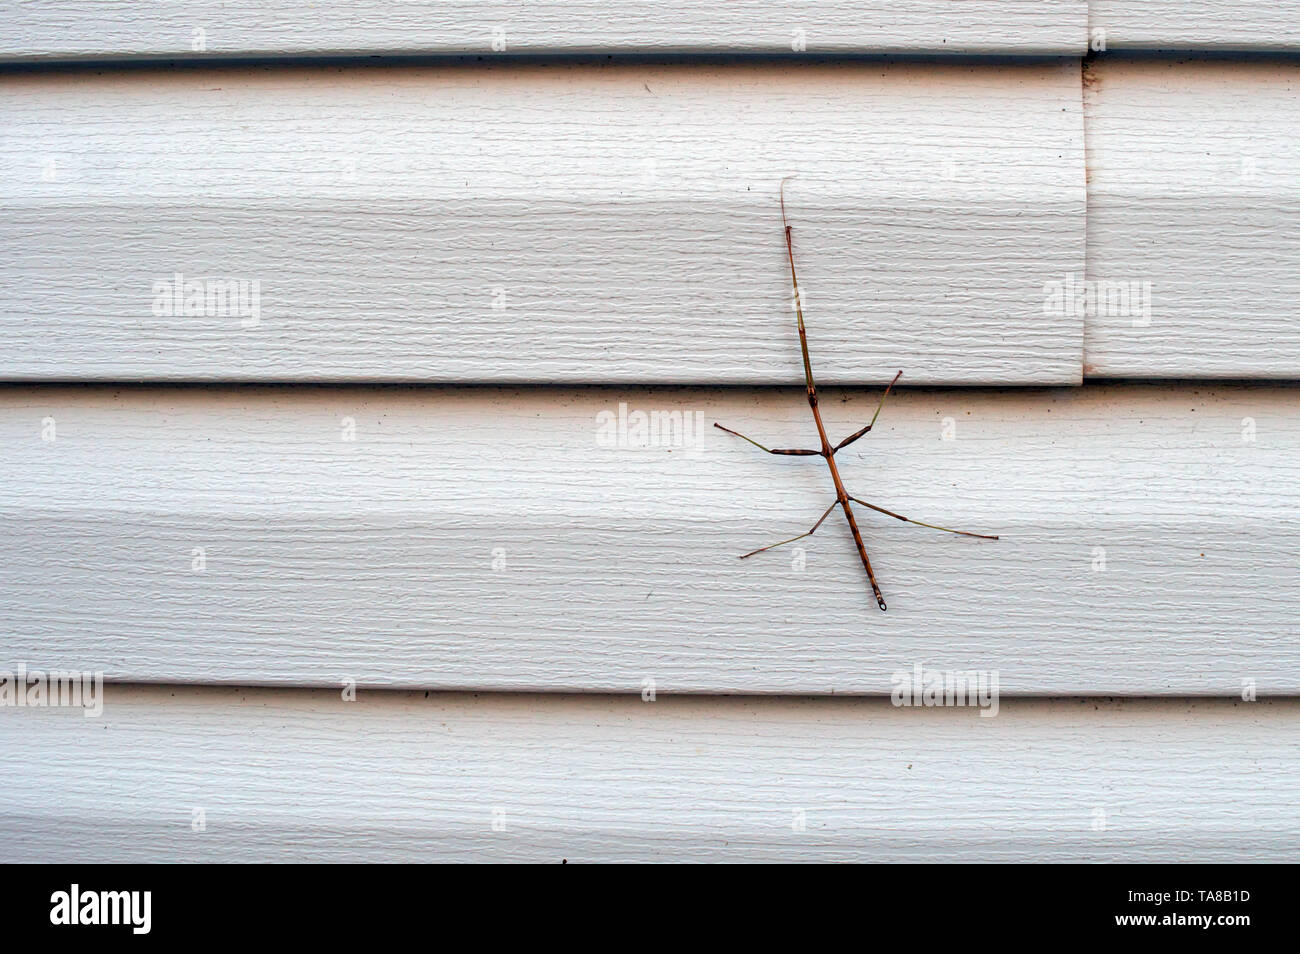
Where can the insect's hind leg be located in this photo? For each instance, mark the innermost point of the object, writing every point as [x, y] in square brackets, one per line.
[932, 526]
[773, 546]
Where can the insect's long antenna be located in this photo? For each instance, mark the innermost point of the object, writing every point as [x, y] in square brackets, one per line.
[798, 297]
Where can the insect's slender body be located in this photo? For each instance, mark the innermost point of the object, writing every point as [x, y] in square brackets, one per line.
[842, 496]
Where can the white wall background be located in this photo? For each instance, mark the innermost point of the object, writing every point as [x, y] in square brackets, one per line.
[394, 476]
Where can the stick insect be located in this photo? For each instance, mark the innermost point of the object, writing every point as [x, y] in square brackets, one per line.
[828, 452]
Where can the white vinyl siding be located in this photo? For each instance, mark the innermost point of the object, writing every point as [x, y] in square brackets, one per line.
[1245, 25]
[118, 29]
[292, 775]
[540, 224]
[1193, 173]
[493, 260]
[483, 538]
[545, 224]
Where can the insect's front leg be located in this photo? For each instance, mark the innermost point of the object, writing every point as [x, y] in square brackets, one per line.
[796, 453]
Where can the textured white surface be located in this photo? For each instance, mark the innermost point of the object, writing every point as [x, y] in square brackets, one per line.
[302, 776]
[544, 223]
[1197, 24]
[1194, 173]
[480, 538]
[35, 29]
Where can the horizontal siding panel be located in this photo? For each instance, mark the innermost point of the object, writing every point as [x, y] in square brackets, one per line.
[290, 775]
[60, 29]
[490, 539]
[1269, 25]
[1194, 173]
[542, 223]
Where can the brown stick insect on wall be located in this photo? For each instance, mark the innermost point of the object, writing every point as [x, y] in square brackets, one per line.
[828, 452]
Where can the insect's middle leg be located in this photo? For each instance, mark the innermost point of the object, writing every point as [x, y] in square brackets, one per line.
[773, 546]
